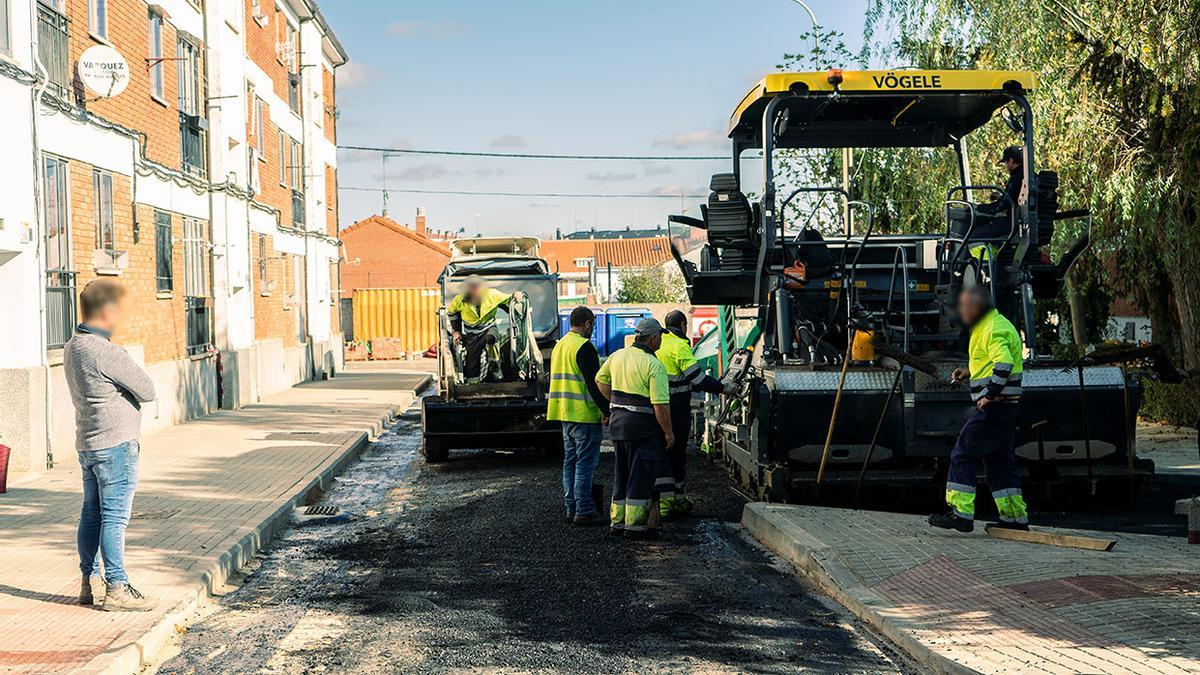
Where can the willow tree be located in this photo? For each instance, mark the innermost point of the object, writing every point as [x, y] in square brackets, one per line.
[1118, 111]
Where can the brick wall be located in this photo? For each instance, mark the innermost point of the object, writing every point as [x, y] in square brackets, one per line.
[261, 44]
[275, 308]
[329, 92]
[331, 202]
[154, 321]
[135, 108]
[382, 258]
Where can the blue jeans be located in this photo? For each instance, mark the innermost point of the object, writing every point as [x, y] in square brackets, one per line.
[581, 455]
[110, 477]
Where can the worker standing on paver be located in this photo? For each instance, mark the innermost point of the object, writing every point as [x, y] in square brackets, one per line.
[636, 384]
[685, 376]
[472, 316]
[576, 401]
[995, 352]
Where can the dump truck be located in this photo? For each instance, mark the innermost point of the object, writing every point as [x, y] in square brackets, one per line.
[842, 338]
[506, 407]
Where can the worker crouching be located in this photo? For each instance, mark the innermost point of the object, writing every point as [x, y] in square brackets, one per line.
[472, 315]
[638, 390]
[995, 352]
[685, 376]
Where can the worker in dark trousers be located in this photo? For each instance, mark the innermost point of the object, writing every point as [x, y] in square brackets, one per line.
[576, 402]
[636, 385]
[996, 354]
[685, 376]
[472, 316]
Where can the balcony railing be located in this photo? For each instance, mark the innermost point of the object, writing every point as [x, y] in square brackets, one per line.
[60, 308]
[52, 50]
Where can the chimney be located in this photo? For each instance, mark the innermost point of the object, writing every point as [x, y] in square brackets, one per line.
[421, 220]
[558, 233]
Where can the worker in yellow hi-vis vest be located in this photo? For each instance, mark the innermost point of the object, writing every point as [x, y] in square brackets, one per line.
[638, 391]
[576, 401]
[472, 316]
[996, 355]
[685, 376]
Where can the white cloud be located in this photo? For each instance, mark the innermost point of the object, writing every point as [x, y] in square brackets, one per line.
[443, 28]
[509, 141]
[419, 172]
[671, 190]
[354, 75]
[610, 177]
[657, 169]
[490, 173]
[693, 139]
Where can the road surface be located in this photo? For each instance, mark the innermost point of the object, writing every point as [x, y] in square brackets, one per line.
[467, 566]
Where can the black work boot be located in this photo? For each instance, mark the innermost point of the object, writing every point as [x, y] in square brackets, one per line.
[569, 518]
[950, 521]
[1010, 525]
[591, 519]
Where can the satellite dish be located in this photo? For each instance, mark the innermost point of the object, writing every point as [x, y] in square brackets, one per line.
[103, 71]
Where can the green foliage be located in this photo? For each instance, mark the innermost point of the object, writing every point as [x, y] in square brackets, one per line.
[656, 284]
[1118, 116]
[1177, 404]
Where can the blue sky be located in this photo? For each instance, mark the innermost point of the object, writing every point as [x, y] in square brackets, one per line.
[630, 77]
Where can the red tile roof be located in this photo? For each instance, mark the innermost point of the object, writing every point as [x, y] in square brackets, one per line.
[385, 222]
[561, 254]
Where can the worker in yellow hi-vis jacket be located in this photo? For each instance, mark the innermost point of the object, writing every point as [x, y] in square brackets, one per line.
[685, 376]
[995, 368]
[637, 388]
[472, 316]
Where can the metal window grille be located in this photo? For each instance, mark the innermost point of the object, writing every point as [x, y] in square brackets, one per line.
[195, 282]
[52, 49]
[60, 308]
[106, 236]
[192, 124]
[164, 271]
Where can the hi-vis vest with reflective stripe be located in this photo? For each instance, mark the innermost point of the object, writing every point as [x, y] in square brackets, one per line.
[570, 400]
[638, 380]
[995, 354]
[476, 319]
[682, 370]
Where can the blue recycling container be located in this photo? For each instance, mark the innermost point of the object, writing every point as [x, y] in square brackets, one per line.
[598, 334]
[622, 321]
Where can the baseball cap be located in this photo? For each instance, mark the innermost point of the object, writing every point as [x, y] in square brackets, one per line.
[1014, 153]
[648, 328]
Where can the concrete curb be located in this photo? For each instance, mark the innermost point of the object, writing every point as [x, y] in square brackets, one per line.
[820, 564]
[140, 646]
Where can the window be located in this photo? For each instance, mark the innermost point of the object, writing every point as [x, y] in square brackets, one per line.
[98, 18]
[195, 286]
[262, 262]
[106, 236]
[192, 124]
[154, 26]
[260, 108]
[5, 38]
[164, 271]
[283, 159]
[296, 166]
[57, 197]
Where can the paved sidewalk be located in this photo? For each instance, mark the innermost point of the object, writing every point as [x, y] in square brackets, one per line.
[962, 603]
[212, 492]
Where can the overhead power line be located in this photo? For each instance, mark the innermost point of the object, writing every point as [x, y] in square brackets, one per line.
[566, 195]
[527, 155]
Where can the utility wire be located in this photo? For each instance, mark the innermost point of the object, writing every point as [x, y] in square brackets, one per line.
[569, 195]
[521, 155]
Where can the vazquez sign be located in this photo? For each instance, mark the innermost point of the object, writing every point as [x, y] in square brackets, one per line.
[103, 71]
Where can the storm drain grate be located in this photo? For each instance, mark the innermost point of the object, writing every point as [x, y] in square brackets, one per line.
[321, 510]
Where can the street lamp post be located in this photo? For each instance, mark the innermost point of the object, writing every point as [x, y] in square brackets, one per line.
[815, 23]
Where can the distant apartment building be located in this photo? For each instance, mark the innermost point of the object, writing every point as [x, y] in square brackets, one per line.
[202, 175]
[590, 270]
[378, 252]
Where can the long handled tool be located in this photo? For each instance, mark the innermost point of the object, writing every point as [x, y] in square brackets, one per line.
[837, 404]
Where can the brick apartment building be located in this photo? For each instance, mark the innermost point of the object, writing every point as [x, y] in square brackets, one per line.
[207, 187]
[590, 270]
[381, 253]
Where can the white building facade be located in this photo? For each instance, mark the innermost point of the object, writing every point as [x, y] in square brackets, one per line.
[207, 187]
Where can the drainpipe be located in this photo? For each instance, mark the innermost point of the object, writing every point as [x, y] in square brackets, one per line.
[36, 93]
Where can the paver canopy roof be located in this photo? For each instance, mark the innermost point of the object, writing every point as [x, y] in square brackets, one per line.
[877, 108]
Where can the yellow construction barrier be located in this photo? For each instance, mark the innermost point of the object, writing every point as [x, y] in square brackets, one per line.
[407, 314]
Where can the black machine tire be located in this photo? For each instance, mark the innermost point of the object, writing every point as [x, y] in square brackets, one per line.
[434, 451]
